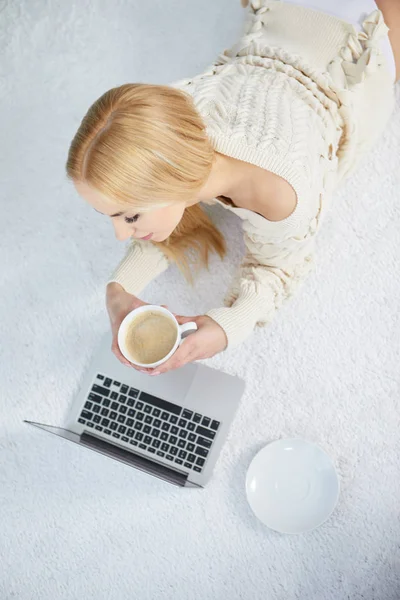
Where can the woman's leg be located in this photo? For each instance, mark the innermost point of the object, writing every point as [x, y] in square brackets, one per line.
[391, 13]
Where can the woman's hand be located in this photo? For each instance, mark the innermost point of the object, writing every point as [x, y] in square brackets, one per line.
[207, 341]
[119, 303]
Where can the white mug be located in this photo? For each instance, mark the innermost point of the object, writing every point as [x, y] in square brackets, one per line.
[180, 330]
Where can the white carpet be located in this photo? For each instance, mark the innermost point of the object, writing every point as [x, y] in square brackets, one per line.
[74, 524]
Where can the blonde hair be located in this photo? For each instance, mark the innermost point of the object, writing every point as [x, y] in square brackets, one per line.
[145, 146]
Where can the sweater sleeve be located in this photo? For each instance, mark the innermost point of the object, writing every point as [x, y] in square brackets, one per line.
[142, 262]
[269, 274]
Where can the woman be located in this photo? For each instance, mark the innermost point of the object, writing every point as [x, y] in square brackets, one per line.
[268, 132]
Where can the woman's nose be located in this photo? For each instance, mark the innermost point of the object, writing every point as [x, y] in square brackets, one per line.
[122, 230]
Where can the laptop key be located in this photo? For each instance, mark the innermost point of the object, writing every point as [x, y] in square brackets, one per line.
[178, 461]
[190, 447]
[130, 402]
[114, 426]
[156, 412]
[114, 395]
[139, 436]
[159, 453]
[191, 458]
[182, 423]
[133, 442]
[90, 424]
[197, 469]
[187, 465]
[147, 439]
[114, 405]
[104, 412]
[139, 426]
[187, 414]
[201, 451]
[125, 439]
[156, 443]
[131, 412]
[113, 415]
[96, 408]
[124, 389]
[172, 439]
[204, 442]
[85, 414]
[122, 398]
[214, 425]
[164, 416]
[191, 437]
[164, 436]
[148, 420]
[123, 409]
[196, 418]
[88, 405]
[174, 430]
[107, 431]
[99, 389]
[165, 426]
[140, 416]
[191, 426]
[107, 382]
[100, 376]
[139, 405]
[94, 398]
[106, 402]
[116, 435]
[117, 383]
[132, 392]
[206, 421]
[181, 443]
[165, 447]
[143, 446]
[129, 422]
[157, 423]
[121, 429]
[147, 409]
[182, 454]
[174, 451]
[130, 433]
[173, 419]
[147, 429]
[97, 418]
[169, 457]
[152, 450]
[121, 419]
[105, 422]
[81, 421]
[183, 434]
[155, 432]
[205, 432]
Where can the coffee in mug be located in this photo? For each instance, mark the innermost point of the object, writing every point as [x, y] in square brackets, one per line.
[150, 337]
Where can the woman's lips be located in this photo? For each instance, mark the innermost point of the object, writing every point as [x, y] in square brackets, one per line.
[147, 237]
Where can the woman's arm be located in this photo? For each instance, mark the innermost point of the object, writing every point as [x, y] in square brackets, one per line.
[142, 262]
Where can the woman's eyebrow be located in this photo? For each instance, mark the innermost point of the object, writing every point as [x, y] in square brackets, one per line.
[116, 214]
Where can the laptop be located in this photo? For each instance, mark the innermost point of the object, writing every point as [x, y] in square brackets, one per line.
[172, 426]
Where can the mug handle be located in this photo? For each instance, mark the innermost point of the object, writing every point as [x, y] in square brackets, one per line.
[187, 329]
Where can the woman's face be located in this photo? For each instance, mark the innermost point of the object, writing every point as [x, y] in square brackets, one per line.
[156, 225]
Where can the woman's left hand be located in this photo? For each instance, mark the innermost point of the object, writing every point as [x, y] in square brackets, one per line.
[208, 340]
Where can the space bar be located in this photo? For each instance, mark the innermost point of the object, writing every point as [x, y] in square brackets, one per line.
[160, 403]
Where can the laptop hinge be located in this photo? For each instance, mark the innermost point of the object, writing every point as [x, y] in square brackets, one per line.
[134, 460]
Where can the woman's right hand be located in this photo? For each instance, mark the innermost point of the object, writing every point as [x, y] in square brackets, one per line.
[119, 303]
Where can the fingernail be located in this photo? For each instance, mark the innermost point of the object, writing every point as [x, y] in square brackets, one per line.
[156, 373]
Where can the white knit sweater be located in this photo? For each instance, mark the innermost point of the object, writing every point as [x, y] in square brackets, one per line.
[298, 96]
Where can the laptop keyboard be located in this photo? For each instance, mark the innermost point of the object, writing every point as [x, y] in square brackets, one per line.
[162, 428]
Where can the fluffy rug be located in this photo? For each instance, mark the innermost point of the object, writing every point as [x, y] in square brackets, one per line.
[74, 524]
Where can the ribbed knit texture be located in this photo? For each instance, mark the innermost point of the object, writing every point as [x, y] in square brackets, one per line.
[297, 96]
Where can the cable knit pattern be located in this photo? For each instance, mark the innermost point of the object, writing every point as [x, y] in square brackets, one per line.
[295, 95]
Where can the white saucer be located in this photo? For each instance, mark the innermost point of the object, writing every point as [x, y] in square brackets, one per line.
[292, 486]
